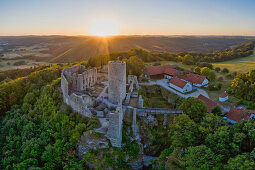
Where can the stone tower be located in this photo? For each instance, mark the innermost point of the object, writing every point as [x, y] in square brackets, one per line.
[114, 133]
[117, 81]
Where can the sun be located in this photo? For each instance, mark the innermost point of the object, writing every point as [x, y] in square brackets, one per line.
[104, 27]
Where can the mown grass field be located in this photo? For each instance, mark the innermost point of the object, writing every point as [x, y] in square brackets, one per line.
[239, 65]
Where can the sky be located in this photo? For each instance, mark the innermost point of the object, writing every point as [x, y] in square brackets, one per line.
[130, 17]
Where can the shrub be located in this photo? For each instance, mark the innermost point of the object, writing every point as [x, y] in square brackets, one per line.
[205, 64]
[225, 70]
[217, 69]
[205, 71]
[229, 76]
[197, 70]
[212, 87]
[188, 59]
[219, 86]
[211, 76]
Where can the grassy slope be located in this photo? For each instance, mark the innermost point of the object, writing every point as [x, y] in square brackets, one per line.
[239, 65]
[214, 95]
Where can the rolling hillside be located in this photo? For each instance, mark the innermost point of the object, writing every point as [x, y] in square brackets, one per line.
[78, 48]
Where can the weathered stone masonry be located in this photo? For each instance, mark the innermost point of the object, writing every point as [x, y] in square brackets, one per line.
[117, 81]
[75, 80]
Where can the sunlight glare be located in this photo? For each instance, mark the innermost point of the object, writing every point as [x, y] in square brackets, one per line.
[104, 27]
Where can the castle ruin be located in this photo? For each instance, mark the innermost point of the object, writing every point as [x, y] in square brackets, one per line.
[74, 81]
[117, 81]
[114, 133]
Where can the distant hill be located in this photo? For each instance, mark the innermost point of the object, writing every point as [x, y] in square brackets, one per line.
[78, 48]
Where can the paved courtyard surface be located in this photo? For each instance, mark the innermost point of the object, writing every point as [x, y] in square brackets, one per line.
[164, 83]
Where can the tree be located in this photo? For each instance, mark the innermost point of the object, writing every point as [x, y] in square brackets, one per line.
[205, 71]
[180, 59]
[220, 142]
[210, 123]
[217, 69]
[194, 107]
[197, 70]
[225, 70]
[135, 66]
[217, 111]
[188, 59]
[240, 162]
[211, 76]
[219, 86]
[184, 132]
[198, 157]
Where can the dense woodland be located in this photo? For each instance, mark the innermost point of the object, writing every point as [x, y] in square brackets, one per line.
[37, 131]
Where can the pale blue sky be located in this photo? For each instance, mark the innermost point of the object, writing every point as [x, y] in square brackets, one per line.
[145, 17]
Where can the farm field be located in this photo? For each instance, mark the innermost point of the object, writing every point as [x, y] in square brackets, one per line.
[24, 57]
[9, 64]
[239, 65]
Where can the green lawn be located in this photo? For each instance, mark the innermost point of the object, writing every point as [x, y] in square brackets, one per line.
[214, 95]
[188, 67]
[239, 65]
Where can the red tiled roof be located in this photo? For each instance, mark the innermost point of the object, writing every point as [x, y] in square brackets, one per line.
[209, 103]
[237, 114]
[178, 82]
[155, 70]
[170, 71]
[223, 95]
[194, 78]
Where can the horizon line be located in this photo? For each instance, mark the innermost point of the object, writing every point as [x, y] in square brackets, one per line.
[80, 35]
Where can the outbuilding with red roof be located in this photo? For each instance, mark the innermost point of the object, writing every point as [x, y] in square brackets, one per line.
[209, 103]
[180, 85]
[236, 114]
[223, 97]
[160, 72]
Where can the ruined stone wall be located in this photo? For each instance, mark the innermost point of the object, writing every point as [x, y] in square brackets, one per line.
[74, 80]
[80, 78]
[117, 81]
[80, 104]
[114, 133]
[132, 80]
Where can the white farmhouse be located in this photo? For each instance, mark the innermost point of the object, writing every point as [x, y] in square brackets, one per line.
[180, 85]
[196, 79]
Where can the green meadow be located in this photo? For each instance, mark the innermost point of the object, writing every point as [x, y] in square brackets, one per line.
[239, 65]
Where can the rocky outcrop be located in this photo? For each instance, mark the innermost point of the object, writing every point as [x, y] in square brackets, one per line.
[91, 140]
